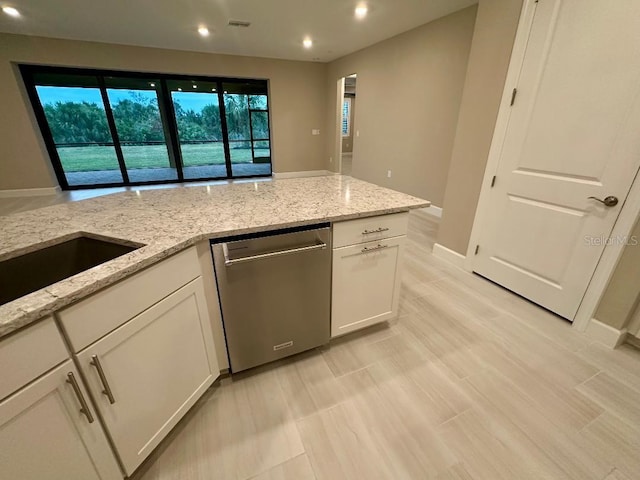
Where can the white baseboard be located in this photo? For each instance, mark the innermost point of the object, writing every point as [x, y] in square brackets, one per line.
[449, 255]
[605, 334]
[29, 192]
[631, 340]
[433, 210]
[307, 173]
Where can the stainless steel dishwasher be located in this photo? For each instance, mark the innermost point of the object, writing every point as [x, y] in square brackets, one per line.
[275, 293]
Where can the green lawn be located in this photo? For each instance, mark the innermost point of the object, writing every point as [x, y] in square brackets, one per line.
[86, 159]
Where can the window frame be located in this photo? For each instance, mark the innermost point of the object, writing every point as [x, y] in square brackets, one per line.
[346, 100]
[29, 71]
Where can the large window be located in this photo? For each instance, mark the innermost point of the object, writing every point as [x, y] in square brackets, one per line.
[115, 128]
[346, 117]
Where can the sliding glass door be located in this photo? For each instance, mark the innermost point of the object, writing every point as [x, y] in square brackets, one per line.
[77, 120]
[196, 106]
[121, 128]
[135, 106]
[247, 119]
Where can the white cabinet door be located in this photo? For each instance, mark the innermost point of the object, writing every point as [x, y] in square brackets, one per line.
[154, 367]
[44, 435]
[365, 284]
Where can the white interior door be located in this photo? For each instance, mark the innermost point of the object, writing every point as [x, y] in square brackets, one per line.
[573, 133]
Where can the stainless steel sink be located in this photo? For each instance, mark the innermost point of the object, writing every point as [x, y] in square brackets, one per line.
[32, 271]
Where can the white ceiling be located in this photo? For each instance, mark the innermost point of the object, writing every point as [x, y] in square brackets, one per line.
[277, 26]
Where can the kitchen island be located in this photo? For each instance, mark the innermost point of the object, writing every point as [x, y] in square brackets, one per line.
[167, 221]
[111, 358]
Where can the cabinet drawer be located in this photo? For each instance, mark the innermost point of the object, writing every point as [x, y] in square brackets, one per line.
[365, 284]
[367, 229]
[91, 319]
[29, 353]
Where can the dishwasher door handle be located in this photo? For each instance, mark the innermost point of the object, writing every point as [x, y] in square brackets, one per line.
[228, 263]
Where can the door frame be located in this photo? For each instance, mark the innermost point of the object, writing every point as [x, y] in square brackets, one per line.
[623, 224]
[634, 323]
[338, 132]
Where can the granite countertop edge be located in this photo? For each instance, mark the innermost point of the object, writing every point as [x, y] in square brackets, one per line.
[35, 306]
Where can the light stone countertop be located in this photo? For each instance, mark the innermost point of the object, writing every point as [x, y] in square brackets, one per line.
[169, 220]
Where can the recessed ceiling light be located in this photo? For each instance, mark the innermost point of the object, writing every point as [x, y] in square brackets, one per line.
[225, 91]
[361, 11]
[12, 12]
[213, 89]
[152, 84]
[179, 89]
[195, 86]
[204, 31]
[307, 42]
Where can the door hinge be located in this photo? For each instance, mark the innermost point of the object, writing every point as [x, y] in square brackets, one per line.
[493, 181]
[513, 96]
[477, 249]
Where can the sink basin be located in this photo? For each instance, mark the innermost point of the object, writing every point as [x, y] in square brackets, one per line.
[32, 271]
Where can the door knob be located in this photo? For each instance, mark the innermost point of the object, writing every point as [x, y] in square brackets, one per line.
[609, 201]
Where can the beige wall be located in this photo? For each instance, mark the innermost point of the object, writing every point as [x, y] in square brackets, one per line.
[493, 37]
[409, 92]
[298, 96]
[623, 292]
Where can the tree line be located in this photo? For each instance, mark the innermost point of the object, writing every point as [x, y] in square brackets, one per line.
[138, 121]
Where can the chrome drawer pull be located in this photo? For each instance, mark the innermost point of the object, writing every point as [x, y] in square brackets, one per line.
[374, 249]
[95, 361]
[377, 230]
[84, 408]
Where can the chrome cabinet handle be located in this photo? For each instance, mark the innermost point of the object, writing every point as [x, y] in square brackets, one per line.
[228, 262]
[609, 201]
[95, 361]
[374, 249]
[84, 408]
[377, 230]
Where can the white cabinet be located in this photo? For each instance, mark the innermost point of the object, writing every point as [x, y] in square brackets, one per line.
[93, 318]
[146, 374]
[366, 275]
[27, 354]
[44, 435]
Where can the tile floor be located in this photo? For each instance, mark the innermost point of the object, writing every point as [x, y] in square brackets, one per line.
[470, 382]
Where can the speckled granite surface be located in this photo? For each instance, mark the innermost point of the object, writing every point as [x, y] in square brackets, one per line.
[169, 220]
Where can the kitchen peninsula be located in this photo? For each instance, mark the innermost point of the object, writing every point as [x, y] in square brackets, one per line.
[167, 221]
[118, 349]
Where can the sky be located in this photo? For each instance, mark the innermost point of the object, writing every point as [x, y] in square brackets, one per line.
[189, 100]
[195, 101]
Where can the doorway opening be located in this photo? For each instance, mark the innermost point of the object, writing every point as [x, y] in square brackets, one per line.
[348, 133]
